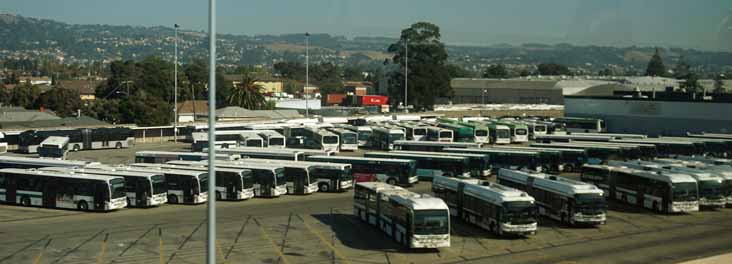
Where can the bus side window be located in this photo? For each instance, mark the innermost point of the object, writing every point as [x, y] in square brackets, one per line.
[2, 181]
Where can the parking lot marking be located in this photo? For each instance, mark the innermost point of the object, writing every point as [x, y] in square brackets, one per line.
[238, 235]
[323, 240]
[185, 241]
[100, 258]
[136, 240]
[23, 249]
[77, 247]
[40, 254]
[268, 238]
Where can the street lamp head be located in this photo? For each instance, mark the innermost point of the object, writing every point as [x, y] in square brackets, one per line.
[176, 26]
[307, 34]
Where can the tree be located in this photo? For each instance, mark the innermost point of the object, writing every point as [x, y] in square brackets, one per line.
[145, 110]
[495, 71]
[553, 69]
[682, 69]
[25, 95]
[107, 110]
[290, 70]
[247, 94]
[719, 84]
[655, 65]
[428, 71]
[196, 73]
[456, 71]
[605, 72]
[352, 73]
[65, 102]
[690, 79]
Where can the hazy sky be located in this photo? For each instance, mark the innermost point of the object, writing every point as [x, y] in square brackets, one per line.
[684, 23]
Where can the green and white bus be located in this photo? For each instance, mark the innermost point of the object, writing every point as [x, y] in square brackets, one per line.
[571, 159]
[165, 156]
[12, 162]
[429, 166]
[595, 154]
[499, 134]
[431, 145]
[269, 180]
[569, 201]
[460, 133]
[330, 177]
[348, 138]
[414, 132]
[479, 165]
[384, 138]
[317, 138]
[579, 124]
[662, 192]
[63, 190]
[411, 219]
[482, 133]
[392, 171]
[500, 209]
[519, 132]
[507, 159]
[231, 184]
[439, 134]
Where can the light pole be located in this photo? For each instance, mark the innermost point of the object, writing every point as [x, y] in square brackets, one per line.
[406, 73]
[307, 73]
[175, 88]
[211, 202]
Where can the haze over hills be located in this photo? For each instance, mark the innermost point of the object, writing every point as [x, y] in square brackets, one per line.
[32, 38]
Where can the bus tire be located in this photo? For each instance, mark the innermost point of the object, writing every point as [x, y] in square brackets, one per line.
[218, 196]
[25, 201]
[568, 168]
[655, 206]
[564, 218]
[173, 199]
[391, 181]
[492, 227]
[76, 147]
[323, 187]
[82, 205]
[118, 145]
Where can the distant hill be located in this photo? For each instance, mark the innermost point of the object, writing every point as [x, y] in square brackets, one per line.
[25, 37]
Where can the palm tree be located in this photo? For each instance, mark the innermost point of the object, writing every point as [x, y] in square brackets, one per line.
[247, 94]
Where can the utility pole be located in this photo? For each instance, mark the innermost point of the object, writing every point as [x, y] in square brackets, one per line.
[406, 73]
[211, 202]
[175, 90]
[307, 73]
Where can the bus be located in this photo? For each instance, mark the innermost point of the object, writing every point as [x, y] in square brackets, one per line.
[363, 132]
[710, 186]
[330, 177]
[392, 171]
[3, 143]
[613, 135]
[272, 139]
[224, 139]
[251, 139]
[411, 219]
[348, 139]
[54, 147]
[429, 165]
[431, 145]
[519, 132]
[661, 192]
[579, 124]
[439, 134]
[320, 139]
[8, 162]
[183, 186]
[709, 147]
[479, 165]
[147, 156]
[298, 177]
[568, 201]
[498, 133]
[571, 159]
[703, 159]
[264, 153]
[231, 184]
[509, 159]
[551, 161]
[142, 189]
[628, 151]
[79, 139]
[722, 170]
[499, 209]
[384, 138]
[461, 133]
[414, 132]
[51, 189]
[535, 128]
[482, 133]
[269, 180]
[595, 154]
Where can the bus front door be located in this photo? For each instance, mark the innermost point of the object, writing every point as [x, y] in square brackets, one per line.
[49, 193]
[141, 192]
[187, 187]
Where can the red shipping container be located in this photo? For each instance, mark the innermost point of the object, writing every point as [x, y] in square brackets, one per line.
[335, 99]
[374, 100]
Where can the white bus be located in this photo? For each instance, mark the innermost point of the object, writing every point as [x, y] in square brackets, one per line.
[703, 159]
[79, 139]
[658, 191]
[413, 131]
[269, 180]
[146, 156]
[272, 139]
[411, 219]
[710, 185]
[723, 170]
[317, 138]
[498, 133]
[439, 134]
[3, 143]
[50, 189]
[143, 189]
[184, 186]
[497, 208]
[571, 202]
[579, 124]
[54, 147]
[231, 184]
[251, 139]
[383, 138]
[330, 177]
[348, 138]
[34, 163]
[297, 175]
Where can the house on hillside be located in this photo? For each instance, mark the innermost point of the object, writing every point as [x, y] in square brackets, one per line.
[86, 88]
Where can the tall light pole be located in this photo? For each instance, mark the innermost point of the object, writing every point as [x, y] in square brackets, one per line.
[175, 89]
[307, 73]
[211, 202]
[406, 73]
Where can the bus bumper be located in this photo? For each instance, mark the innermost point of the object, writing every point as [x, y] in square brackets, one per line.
[201, 198]
[529, 229]
[580, 218]
[413, 180]
[677, 207]
[115, 204]
[712, 203]
[312, 188]
[430, 241]
[245, 194]
[158, 199]
[346, 185]
[280, 190]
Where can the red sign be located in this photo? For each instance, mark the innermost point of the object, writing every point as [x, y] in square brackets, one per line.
[374, 100]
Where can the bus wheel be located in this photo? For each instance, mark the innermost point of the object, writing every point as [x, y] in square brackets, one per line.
[118, 145]
[568, 168]
[323, 187]
[492, 227]
[391, 181]
[76, 147]
[218, 196]
[173, 199]
[564, 218]
[82, 205]
[25, 201]
[655, 206]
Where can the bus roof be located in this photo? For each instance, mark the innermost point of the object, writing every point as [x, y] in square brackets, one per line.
[149, 153]
[488, 150]
[659, 176]
[343, 158]
[182, 167]
[154, 170]
[472, 155]
[570, 145]
[492, 192]
[60, 174]
[551, 182]
[45, 162]
[228, 164]
[412, 156]
[54, 140]
[435, 143]
[98, 171]
[537, 149]
[665, 167]
[313, 163]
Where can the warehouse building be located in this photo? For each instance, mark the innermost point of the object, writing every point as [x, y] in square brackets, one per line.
[504, 91]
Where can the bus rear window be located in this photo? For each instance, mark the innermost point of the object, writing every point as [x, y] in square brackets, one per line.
[330, 139]
[481, 133]
[445, 134]
[276, 141]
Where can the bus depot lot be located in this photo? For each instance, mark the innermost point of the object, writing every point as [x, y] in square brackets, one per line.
[320, 228]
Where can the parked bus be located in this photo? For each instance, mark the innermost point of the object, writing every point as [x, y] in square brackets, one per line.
[551, 161]
[628, 151]
[662, 192]
[54, 147]
[535, 128]
[411, 219]
[500, 209]
[595, 154]
[50, 189]
[519, 131]
[569, 201]
[703, 159]
[143, 189]
[321, 139]
[667, 147]
[571, 159]
[224, 139]
[264, 153]
[498, 133]
[330, 177]
[710, 186]
[147, 156]
[709, 147]
[431, 145]
[439, 134]
[414, 132]
[3, 143]
[184, 186]
[297, 175]
[7, 162]
[79, 139]
[251, 139]
[348, 139]
[269, 180]
[392, 171]
[482, 133]
[723, 171]
[479, 165]
[508, 159]
[461, 133]
[429, 166]
[364, 133]
[272, 139]
[579, 124]
[231, 184]
[384, 138]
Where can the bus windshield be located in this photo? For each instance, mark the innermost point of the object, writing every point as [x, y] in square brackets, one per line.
[519, 212]
[280, 176]
[396, 136]
[503, 133]
[312, 172]
[276, 141]
[247, 180]
[420, 131]
[348, 138]
[431, 222]
[481, 133]
[521, 131]
[590, 203]
[364, 135]
[710, 189]
[117, 187]
[538, 128]
[684, 191]
[346, 175]
[445, 134]
[330, 139]
[158, 184]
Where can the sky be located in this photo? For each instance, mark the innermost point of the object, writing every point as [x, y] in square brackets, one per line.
[705, 24]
